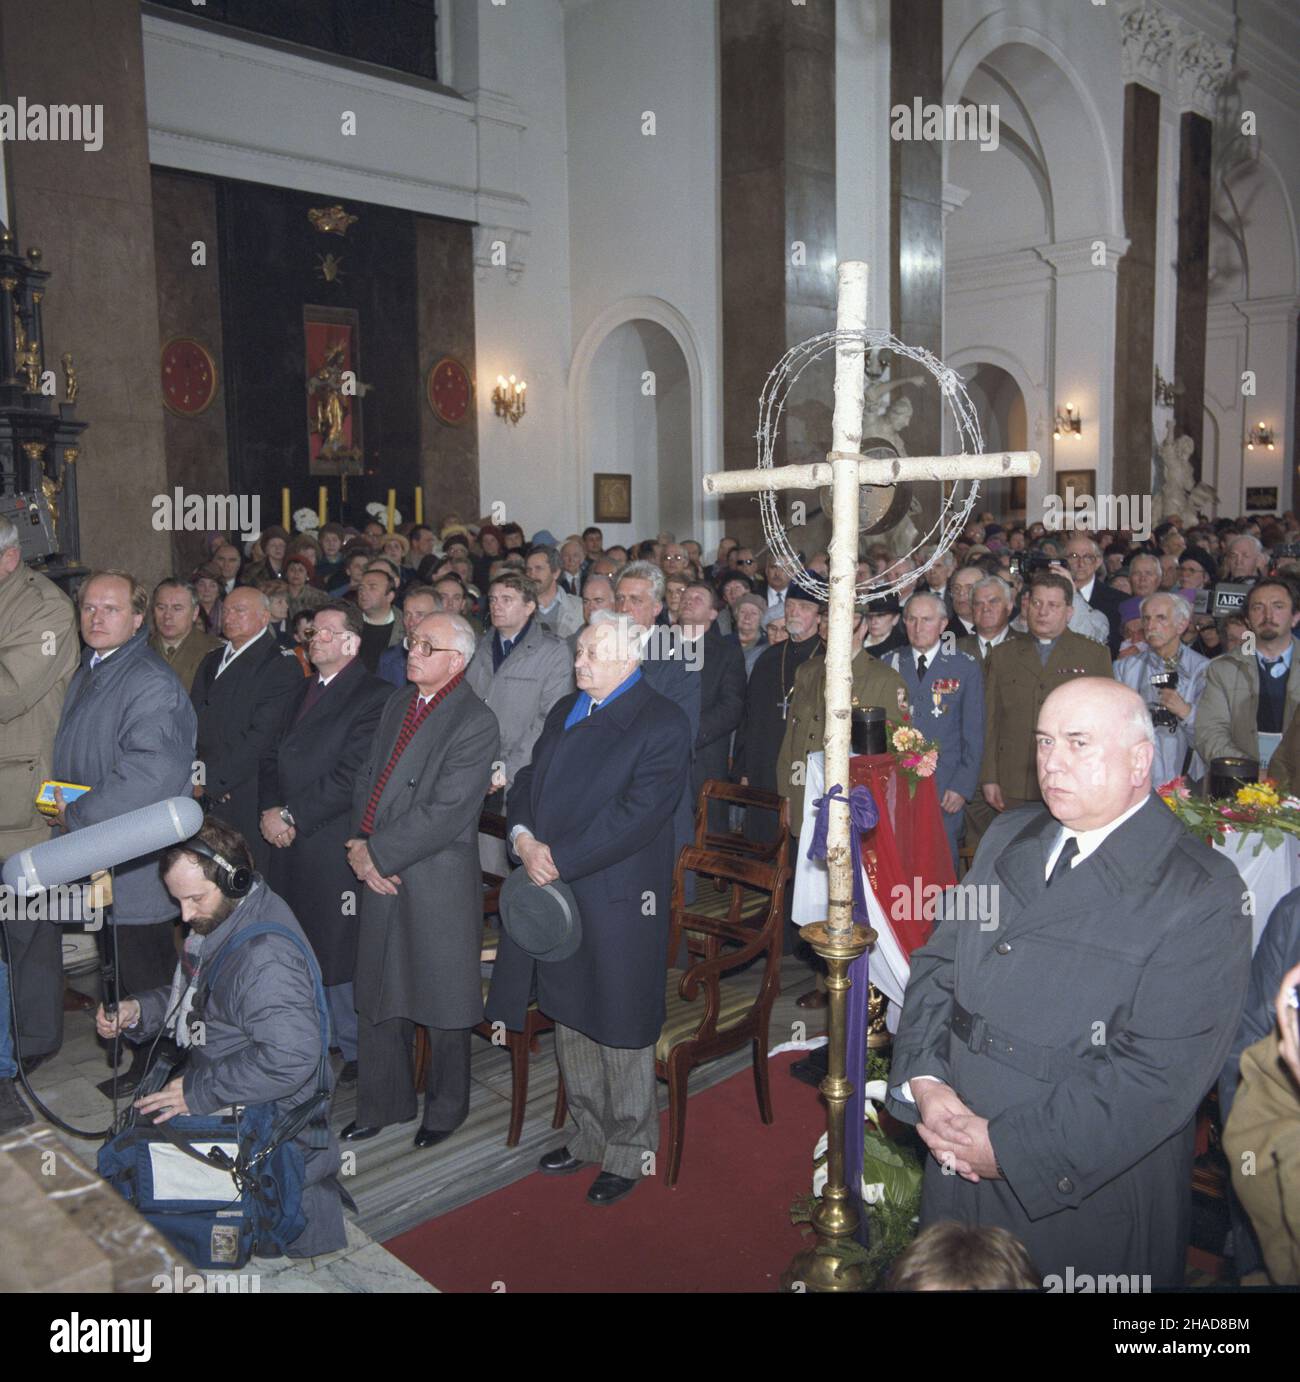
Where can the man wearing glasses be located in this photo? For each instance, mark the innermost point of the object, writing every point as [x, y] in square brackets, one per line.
[1084, 559]
[414, 850]
[519, 670]
[305, 783]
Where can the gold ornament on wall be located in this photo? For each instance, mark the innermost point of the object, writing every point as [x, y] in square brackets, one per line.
[330, 267]
[331, 220]
[69, 378]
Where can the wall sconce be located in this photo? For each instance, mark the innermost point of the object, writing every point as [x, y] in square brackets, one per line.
[508, 398]
[1071, 423]
[1260, 436]
[1167, 391]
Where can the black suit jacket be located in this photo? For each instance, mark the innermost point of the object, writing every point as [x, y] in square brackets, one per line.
[240, 715]
[722, 703]
[311, 768]
[1108, 601]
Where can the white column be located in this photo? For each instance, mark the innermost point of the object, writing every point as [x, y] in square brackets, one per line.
[862, 145]
[1271, 354]
[1083, 349]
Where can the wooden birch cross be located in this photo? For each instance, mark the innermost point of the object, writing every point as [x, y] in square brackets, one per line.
[846, 471]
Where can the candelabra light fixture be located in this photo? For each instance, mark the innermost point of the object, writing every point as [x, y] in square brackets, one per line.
[1071, 424]
[1260, 436]
[1166, 390]
[508, 398]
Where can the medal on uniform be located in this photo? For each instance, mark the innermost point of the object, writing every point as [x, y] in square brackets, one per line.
[944, 686]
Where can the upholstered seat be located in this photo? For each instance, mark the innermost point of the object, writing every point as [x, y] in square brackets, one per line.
[683, 1018]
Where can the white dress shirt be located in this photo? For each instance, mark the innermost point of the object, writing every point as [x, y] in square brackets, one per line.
[1089, 842]
[999, 638]
[232, 652]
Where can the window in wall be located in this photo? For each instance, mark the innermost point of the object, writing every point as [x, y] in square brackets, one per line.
[397, 34]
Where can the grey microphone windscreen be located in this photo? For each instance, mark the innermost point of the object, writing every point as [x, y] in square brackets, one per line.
[116, 841]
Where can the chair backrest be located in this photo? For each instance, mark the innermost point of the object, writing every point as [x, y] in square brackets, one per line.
[750, 798]
[494, 824]
[740, 924]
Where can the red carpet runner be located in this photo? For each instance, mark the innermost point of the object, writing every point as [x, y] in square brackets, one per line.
[726, 1227]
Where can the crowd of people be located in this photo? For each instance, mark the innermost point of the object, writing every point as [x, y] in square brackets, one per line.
[346, 703]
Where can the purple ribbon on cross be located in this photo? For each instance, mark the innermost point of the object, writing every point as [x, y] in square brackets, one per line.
[863, 816]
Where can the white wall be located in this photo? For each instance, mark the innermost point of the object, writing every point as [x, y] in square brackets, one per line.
[862, 145]
[645, 435]
[522, 318]
[644, 212]
[1023, 288]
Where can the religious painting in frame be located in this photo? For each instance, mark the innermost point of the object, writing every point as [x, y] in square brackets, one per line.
[613, 499]
[332, 371]
[1074, 487]
[1081, 482]
[1262, 498]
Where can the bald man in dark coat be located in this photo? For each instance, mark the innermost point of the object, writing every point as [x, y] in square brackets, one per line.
[1054, 1063]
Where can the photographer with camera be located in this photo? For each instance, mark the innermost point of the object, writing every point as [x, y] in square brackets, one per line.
[1170, 677]
[1251, 696]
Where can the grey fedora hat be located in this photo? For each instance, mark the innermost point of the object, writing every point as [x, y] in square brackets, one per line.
[544, 922]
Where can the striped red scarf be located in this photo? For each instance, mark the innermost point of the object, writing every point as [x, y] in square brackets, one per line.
[416, 714]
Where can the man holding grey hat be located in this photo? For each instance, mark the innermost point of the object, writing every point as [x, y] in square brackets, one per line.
[591, 820]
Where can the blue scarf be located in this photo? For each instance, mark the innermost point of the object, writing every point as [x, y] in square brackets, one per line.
[581, 706]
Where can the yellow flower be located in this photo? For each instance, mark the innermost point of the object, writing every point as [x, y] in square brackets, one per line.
[1258, 796]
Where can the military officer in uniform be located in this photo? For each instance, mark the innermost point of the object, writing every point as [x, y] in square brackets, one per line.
[805, 731]
[1018, 678]
[945, 689]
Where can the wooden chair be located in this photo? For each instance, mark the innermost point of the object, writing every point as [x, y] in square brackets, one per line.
[729, 794]
[520, 1045]
[707, 1018]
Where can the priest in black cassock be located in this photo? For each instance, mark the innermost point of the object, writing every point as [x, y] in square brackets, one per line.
[767, 702]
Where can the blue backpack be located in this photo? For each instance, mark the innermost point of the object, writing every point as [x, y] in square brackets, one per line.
[221, 1187]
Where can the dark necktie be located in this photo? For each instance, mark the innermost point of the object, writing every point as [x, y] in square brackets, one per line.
[1063, 860]
[314, 692]
[920, 667]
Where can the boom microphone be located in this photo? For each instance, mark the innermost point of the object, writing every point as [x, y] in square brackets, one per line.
[116, 841]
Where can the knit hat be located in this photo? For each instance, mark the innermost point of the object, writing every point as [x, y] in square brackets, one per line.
[797, 590]
[756, 601]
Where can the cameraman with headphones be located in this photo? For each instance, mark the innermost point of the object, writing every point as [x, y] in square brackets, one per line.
[251, 1036]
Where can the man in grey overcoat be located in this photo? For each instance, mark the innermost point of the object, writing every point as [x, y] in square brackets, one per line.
[519, 669]
[1054, 1061]
[415, 811]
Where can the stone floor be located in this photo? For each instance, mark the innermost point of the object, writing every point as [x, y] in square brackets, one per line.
[66, 1084]
[395, 1185]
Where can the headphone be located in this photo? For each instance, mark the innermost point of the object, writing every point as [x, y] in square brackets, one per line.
[234, 881]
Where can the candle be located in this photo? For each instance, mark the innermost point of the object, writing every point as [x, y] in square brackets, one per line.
[284, 509]
[392, 505]
[419, 503]
[322, 507]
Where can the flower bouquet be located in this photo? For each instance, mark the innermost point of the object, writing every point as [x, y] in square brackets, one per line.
[916, 756]
[1257, 809]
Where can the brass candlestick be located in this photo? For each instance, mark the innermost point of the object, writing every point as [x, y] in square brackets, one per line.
[824, 1267]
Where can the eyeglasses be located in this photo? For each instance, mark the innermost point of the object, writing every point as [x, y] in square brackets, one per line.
[668, 559]
[745, 561]
[325, 635]
[424, 648]
[1082, 556]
